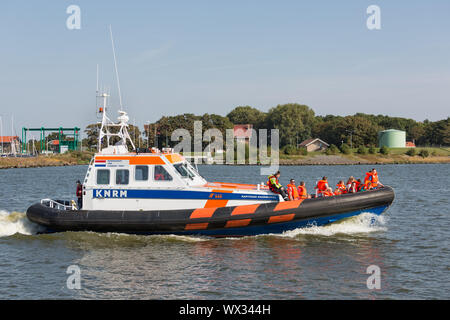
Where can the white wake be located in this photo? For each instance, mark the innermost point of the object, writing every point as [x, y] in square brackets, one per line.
[360, 224]
[16, 222]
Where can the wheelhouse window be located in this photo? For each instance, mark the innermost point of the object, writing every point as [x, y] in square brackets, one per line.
[160, 174]
[141, 173]
[103, 176]
[122, 176]
[183, 170]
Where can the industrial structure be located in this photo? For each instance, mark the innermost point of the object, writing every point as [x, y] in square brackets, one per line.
[392, 138]
[63, 143]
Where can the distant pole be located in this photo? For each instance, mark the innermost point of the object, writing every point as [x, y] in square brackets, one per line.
[12, 135]
[24, 147]
[148, 133]
[156, 138]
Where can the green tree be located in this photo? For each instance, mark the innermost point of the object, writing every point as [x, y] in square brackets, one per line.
[294, 122]
[362, 149]
[210, 121]
[92, 132]
[384, 150]
[345, 149]
[247, 115]
[332, 150]
[356, 130]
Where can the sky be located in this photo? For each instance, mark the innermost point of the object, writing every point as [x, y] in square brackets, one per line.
[210, 56]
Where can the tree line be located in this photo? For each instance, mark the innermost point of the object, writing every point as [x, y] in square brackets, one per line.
[296, 123]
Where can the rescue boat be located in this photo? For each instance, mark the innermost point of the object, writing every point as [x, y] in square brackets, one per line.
[159, 192]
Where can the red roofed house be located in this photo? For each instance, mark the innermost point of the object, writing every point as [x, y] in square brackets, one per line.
[243, 132]
[9, 144]
[314, 144]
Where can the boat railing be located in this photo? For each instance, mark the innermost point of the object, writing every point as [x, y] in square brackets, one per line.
[59, 204]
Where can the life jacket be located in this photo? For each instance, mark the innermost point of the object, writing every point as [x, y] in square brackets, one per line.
[272, 184]
[322, 185]
[368, 181]
[292, 192]
[327, 193]
[367, 185]
[374, 180]
[302, 192]
[340, 189]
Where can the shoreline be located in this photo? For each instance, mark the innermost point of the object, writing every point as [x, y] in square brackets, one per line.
[60, 160]
[316, 160]
[364, 160]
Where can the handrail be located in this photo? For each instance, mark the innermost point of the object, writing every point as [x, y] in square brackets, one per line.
[59, 206]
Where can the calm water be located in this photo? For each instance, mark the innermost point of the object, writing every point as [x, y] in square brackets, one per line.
[410, 244]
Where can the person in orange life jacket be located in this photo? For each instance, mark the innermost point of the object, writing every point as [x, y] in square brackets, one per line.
[374, 179]
[292, 190]
[368, 177]
[340, 188]
[275, 186]
[79, 194]
[322, 188]
[302, 191]
[367, 183]
[366, 186]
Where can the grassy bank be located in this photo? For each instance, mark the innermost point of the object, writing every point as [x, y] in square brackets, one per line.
[67, 159]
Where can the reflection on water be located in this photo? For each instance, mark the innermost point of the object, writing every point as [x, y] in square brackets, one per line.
[410, 244]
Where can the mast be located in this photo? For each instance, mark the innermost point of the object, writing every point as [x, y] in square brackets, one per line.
[115, 67]
[106, 124]
[13, 145]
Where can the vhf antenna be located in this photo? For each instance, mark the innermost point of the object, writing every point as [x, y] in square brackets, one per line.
[115, 67]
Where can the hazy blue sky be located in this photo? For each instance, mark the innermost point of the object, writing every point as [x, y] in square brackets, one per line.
[211, 56]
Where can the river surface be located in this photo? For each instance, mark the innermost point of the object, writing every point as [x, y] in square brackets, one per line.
[409, 244]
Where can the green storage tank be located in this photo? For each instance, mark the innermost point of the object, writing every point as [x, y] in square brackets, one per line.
[392, 138]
